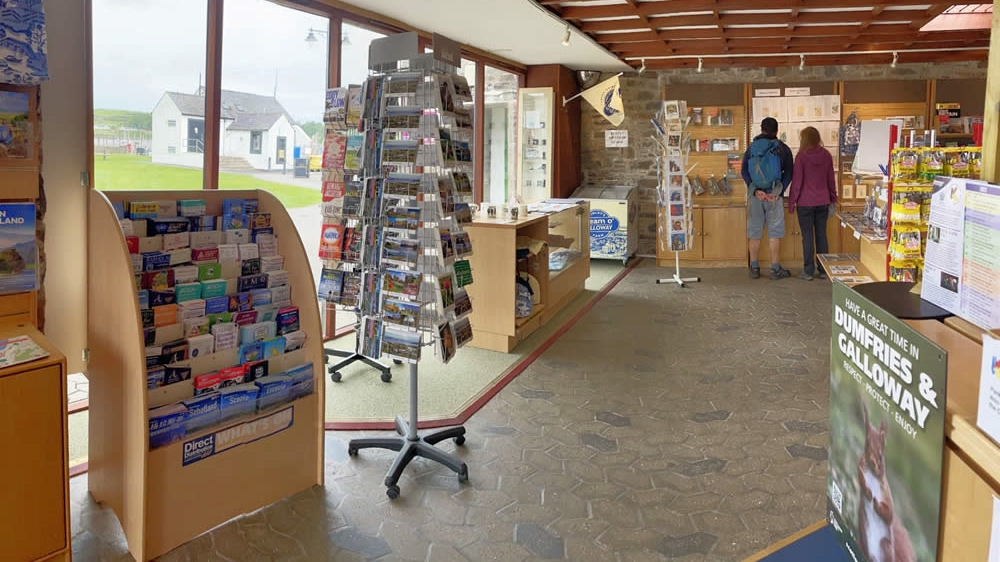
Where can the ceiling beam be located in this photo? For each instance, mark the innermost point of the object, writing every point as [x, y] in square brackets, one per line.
[650, 8]
[874, 33]
[644, 22]
[718, 48]
[792, 60]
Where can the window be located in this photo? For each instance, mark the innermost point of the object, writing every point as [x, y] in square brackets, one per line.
[499, 136]
[256, 140]
[354, 44]
[277, 86]
[149, 67]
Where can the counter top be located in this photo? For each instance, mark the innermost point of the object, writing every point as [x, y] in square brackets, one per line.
[10, 331]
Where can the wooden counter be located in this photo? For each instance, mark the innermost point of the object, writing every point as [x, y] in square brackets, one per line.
[494, 268]
[972, 460]
[34, 478]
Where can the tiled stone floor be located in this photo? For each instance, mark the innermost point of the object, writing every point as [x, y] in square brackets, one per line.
[668, 424]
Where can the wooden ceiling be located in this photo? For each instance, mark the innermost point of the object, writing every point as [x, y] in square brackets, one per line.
[753, 33]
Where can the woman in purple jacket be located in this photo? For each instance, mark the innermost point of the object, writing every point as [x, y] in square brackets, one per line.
[813, 194]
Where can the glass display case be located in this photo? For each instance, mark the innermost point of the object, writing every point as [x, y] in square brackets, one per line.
[534, 144]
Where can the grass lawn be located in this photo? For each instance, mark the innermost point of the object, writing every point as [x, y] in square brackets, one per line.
[122, 172]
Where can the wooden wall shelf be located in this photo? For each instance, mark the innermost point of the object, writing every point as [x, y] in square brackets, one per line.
[160, 503]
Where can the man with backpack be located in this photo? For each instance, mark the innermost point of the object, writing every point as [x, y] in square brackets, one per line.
[767, 171]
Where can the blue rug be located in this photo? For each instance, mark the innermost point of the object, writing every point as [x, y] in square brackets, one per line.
[819, 546]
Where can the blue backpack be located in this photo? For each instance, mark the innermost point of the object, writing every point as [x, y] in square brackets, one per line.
[764, 164]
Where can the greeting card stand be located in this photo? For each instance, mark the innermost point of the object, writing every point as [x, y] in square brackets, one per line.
[674, 119]
[677, 274]
[411, 445]
[415, 127]
[349, 357]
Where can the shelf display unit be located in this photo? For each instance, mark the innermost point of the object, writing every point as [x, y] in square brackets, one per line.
[494, 321]
[168, 495]
[536, 111]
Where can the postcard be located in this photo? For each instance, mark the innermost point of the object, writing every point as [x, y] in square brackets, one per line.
[463, 304]
[402, 344]
[463, 331]
[401, 283]
[446, 291]
[402, 218]
[446, 342]
[447, 245]
[402, 313]
[331, 282]
[371, 337]
[331, 241]
[401, 253]
[18, 136]
[463, 273]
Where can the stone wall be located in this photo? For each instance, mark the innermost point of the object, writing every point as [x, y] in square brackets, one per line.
[636, 165]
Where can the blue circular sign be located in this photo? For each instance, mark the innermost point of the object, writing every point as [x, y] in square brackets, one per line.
[602, 224]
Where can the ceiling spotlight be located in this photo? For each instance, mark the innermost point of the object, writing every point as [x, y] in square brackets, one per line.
[802, 62]
[565, 40]
[311, 37]
[643, 67]
[895, 58]
[701, 64]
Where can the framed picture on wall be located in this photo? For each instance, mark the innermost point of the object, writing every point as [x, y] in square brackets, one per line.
[18, 126]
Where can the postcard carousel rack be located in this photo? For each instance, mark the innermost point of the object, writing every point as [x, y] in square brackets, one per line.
[163, 500]
[402, 223]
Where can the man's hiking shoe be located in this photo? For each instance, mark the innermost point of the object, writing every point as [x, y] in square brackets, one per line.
[754, 273]
[779, 273]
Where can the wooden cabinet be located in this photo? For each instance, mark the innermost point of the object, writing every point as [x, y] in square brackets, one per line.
[718, 239]
[723, 229]
[494, 322]
[34, 478]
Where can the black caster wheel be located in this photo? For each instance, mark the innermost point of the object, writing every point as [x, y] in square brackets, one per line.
[397, 362]
[463, 475]
[392, 492]
[460, 440]
[351, 451]
[335, 376]
[386, 377]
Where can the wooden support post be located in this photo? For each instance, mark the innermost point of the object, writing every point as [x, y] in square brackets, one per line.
[213, 95]
[991, 114]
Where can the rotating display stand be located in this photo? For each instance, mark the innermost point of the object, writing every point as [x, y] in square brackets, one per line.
[395, 235]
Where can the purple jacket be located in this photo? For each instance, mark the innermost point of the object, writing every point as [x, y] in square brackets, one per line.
[813, 181]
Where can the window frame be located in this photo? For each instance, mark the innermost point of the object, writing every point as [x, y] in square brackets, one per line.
[259, 136]
[337, 17]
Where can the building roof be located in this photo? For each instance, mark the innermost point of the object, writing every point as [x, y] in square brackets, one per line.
[250, 111]
[251, 122]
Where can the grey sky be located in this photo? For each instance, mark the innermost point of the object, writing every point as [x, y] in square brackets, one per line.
[143, 48]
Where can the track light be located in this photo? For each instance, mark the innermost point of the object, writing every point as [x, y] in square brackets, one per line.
[643, 67]
[802, 62]
[701, 64]
[565, 40]
[895, 59]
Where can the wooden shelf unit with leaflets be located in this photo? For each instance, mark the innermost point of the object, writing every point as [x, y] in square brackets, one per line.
[160, 502]
[971, 478]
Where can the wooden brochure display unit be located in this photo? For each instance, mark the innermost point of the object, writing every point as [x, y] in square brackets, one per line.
[971, 459]
[161, 503]
[34, 480]
[494, 265]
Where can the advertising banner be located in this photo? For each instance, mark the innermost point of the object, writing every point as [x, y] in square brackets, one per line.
[887, 411]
